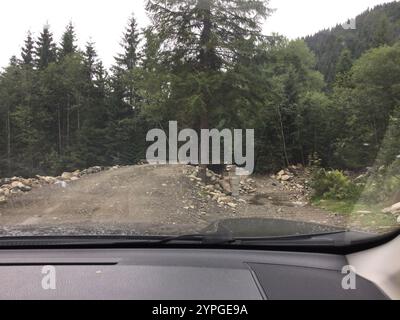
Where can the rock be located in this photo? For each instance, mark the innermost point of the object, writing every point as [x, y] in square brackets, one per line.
[285, 177]
[67, 176]
[75, 178]
[299, 204]
[93, 170]
[4, 181]
[393, 209]
[3, 199]
[232, 205]
[25, 188]
[49, 180]
[27, 182]
[223, 200]
[15, 191]
[61, 184]
[194, 178]
[398, 219]
[76, 173]
[281, 173]
[17, 184]
[226, 187]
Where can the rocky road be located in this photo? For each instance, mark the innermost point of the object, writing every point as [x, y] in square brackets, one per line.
[166, 198]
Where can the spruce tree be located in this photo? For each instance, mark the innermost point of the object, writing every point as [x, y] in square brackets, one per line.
[200, 40]
[46, 50]
[208, 32]
[68, 41]
[129, 58]
[125, 70]
[90, 58]
[27, 52]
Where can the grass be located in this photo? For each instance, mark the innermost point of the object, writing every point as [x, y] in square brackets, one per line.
[358, 213]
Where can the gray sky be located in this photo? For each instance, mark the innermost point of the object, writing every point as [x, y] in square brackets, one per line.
[103, 21]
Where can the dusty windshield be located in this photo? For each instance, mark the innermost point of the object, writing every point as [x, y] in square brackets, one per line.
[171, 117]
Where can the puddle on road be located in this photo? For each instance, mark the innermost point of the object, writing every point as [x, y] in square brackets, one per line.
[264, 199]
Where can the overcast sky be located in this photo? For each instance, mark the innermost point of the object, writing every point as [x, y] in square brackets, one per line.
[103, 20]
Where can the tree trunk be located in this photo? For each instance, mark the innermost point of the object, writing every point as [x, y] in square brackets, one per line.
[8, 126]
[68, 129]
[203, 167]
[78, 112]
[205, 56]
[59, 131]
[283, 137]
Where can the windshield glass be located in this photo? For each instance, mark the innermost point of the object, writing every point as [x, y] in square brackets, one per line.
[172, 117]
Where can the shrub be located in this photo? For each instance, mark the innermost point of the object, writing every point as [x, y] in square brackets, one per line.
[334, 185]
[384, 184]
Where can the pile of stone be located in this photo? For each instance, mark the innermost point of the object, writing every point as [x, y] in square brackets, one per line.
[19, 185]
[295, 179]
[224, 188]
[15, 185]
[284, 175]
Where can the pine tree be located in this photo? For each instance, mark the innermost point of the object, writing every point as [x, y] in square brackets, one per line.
[206, 36]
[129, 58]
[124, 71]
[207, 31]
[27, 52]
[46, 51]
[201, 39]
[90, 58]
[68, 41]
[345, 62]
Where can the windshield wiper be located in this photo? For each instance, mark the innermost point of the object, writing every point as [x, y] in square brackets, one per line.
[215, 239]
[210, 239]
[202, 239]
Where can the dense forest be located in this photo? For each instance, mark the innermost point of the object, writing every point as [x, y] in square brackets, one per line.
[333, 96]
[336, 48]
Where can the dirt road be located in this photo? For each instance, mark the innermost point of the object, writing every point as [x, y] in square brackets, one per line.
[163, 197]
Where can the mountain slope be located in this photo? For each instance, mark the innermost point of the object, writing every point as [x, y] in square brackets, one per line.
[374, 28]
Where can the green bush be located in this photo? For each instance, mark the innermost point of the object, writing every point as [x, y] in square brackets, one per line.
[383, 184]
[334, 185]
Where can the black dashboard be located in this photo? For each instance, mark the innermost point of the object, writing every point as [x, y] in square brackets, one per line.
[169, 274]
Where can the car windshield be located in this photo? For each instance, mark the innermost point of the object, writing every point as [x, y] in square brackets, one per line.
[260, 118]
